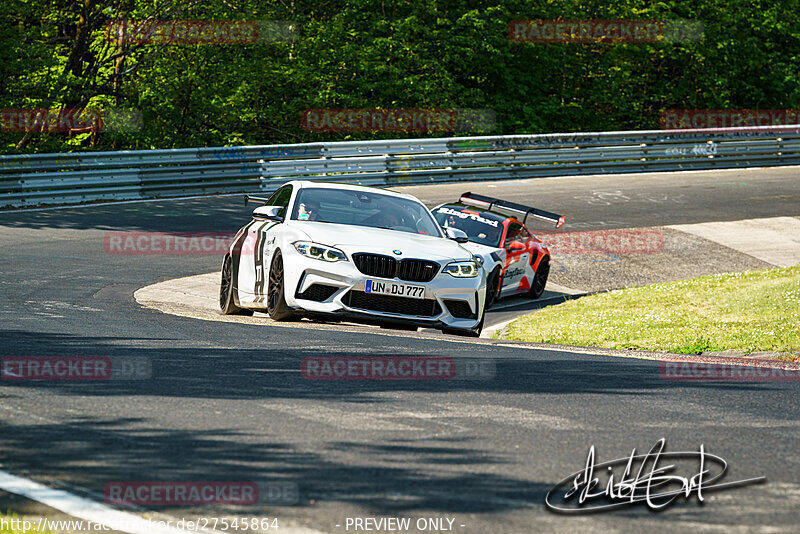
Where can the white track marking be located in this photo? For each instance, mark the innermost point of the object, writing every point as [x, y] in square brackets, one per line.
[81, 508]
[490, 330]
[89, 510]
[550, 293]
[144, 295]
[555, 288]
[775, 240]
[99, 513]
[195, 297]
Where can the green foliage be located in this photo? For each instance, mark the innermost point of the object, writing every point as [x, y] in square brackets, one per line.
[384, 54]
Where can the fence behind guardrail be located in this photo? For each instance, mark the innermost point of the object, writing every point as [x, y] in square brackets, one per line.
[74, 178]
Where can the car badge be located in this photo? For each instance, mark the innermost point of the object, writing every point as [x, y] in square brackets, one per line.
[398, 252]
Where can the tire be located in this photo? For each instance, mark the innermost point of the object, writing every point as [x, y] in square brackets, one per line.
[539, 279]
[276, 301]
[492, 287]
[226, 301]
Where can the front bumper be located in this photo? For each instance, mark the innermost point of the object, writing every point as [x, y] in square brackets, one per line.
[448, 302]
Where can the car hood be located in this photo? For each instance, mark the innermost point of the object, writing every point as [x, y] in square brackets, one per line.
[353, 239]
[480, 250]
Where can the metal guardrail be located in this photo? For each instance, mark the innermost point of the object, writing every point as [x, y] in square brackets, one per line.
[74, 178]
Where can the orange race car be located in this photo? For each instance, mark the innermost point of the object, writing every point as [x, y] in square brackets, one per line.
[516, 261]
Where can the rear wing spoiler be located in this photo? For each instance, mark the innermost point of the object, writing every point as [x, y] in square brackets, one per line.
[488, 203]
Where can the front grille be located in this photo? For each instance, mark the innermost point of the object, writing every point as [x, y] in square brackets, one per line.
[317, 292]
[417, 270]
[390, 304]
[388, 267]
[375, 265]
[460, 309]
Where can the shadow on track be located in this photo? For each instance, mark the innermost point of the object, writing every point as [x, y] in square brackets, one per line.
[201, 214]
[133, 448]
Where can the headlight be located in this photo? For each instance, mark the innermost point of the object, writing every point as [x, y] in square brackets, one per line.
[462, 269]
[479, 259]
[319, 252]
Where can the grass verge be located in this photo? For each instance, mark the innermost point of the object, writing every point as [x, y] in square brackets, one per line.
[750, 311]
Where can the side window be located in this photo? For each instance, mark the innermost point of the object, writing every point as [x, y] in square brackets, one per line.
[524, 235]
[281, 198]
[516, 232]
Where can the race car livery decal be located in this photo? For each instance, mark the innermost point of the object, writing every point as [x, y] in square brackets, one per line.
[524, 285]
[515, 280]
[514, 273]
[466, 214]
[236, 255]
[527, 281]
[258, 258]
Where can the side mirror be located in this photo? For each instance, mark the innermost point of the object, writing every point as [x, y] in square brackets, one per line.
[269, 213]
[459, 236]
[516, 245]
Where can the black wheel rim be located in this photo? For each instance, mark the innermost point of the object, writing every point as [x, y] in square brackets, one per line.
[226, 284]
[275, 284]
[540, 280]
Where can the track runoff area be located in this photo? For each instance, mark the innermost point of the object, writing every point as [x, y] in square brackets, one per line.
[353, 451]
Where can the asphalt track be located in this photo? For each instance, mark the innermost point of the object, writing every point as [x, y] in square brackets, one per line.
[227, 402]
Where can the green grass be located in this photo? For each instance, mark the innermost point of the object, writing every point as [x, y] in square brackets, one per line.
[751, 311]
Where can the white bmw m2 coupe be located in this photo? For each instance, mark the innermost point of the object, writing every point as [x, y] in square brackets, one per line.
[360, 253]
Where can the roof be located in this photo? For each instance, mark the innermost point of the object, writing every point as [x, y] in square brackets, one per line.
[349, 187]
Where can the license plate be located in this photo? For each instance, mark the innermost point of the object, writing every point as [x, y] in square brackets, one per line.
[394, 289]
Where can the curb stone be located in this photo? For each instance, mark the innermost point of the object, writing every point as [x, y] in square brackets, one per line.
[725, 353]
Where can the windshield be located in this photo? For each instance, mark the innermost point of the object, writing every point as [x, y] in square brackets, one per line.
[479, 229]
[361, 208]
